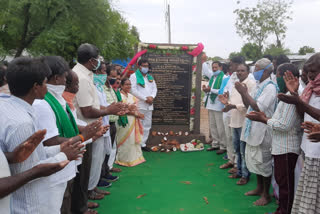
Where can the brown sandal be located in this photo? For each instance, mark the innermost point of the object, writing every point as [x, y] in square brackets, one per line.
[95, 196]
[226, 165]
[90, 211]
[100, 191]
[92, 205]
[234, 176]
[242, 181]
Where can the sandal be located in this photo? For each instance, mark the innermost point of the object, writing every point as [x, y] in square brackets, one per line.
[100, 191]
[226, 165]
[233, 170]
[95, 196]
[92, 205]
[90, 211]
[234, 176]
[243, 181]
[115, 170]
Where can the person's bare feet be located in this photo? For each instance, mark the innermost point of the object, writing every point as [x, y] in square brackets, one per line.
[253, 192]
[264, 200]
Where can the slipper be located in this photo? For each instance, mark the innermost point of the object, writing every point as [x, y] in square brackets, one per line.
[90, 211]
[92, 205]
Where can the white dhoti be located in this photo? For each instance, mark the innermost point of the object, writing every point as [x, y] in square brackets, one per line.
[259, 158]
[146, 123]
[98, 156]
[112, 155]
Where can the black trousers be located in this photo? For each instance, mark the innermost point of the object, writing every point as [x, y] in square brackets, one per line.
[79, 196]
[105, 168]
[284, 166]
[66, 204]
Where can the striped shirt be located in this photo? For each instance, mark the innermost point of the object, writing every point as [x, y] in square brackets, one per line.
[17, 123]
[286, 131]
[111, 98]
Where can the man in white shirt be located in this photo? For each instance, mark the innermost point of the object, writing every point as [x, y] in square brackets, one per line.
[214, 106]
[88, 109]
[257, 135]
[27, 81]
[57, 123]
[145, 89]
[8, 183]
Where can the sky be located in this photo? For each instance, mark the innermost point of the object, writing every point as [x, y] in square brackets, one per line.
[212, 22]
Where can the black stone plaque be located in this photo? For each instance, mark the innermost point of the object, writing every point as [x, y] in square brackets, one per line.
[173, 76]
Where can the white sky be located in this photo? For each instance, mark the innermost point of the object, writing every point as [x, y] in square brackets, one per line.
[212, 23]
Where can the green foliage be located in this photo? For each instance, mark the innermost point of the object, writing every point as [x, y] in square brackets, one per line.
[251, 51]
[306, 49]
[215, 58]
[268, 17]
[233, 54]
[276, 51]
[58, 27]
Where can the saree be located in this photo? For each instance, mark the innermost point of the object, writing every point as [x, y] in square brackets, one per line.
[129, 138]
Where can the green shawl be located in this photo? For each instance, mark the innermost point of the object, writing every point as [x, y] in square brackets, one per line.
[217, 85]
[140, 79]
[123, 120]
[67, 125]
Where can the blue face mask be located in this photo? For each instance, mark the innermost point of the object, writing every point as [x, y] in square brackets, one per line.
[258, 74]
[144, 70]
[98, 65]
[216, 73]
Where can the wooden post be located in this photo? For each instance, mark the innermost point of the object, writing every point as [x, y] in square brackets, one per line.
[198, 95]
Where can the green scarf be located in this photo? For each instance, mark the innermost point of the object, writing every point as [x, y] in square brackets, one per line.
[217, 85]
[66, 124]
[140, 79]
[123, 120]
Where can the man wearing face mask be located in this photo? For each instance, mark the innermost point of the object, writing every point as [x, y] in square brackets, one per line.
[88, 109]
[286, 140]
[27, 82]
[111, 98]
[145, 89]
[55, 116]
[103, 147]
[214, 106]
[258, 136]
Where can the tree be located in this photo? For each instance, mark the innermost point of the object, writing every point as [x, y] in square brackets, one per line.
[278, 13]
[251, 51]
[233, 54]
[273, 50]
[268, 17]
[215, 58]
[306, 49]
[58, 27]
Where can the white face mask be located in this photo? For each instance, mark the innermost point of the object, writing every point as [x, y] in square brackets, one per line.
[57, 89]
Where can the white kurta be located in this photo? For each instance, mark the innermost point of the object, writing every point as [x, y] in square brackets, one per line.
[46, 119]
[150, 90]
[258, 148]
[311, 150]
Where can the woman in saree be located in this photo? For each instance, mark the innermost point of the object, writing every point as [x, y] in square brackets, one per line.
[129, 130]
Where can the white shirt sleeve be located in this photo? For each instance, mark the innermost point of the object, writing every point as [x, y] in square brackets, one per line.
[206, 71]
[154, 89]
[46, 119]
[267, 98]
[134, 89]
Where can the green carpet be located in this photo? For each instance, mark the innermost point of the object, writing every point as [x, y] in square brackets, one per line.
[164, 179]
